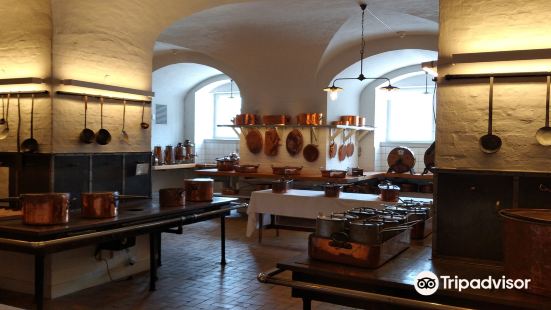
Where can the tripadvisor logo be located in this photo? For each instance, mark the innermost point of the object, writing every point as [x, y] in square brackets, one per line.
[426, 283]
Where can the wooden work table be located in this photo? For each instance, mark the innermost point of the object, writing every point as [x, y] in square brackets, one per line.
[361, 287]
[371, 175]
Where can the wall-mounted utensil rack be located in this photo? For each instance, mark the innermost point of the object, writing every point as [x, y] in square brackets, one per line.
[25, 80]
[67, 93]
[495, 75]
[335, 129]
[25, 93]
[99, 86]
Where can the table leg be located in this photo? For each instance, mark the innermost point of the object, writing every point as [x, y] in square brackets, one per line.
[260, 225]
[306, 303]
[39, 281]
[223, 239]
[152, 260]
[159, 250]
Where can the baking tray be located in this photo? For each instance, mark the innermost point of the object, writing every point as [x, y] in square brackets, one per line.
[358, 254]
[422, 229]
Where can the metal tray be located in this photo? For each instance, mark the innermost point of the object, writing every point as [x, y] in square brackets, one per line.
[358, 254]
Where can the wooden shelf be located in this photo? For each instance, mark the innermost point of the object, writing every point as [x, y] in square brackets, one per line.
[362, 128]
[172, 167]
[408, 176]
[319, 178]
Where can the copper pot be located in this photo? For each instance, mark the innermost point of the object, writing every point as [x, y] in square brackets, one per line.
[226, 164]
[353, 120]
[332, 190]
[527, 247]
[356, 172]
[281, 186]
[245, 119]
[172, 197]
[286, 170]
[389, 192]
[99, 205]
[275, 119]
[199, 189]
[45, 208]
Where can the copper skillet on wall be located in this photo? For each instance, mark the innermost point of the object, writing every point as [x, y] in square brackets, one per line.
[254, 141]
[87, 135]
[311, 152]
[294, 142]
[103, 136]
[490, 143]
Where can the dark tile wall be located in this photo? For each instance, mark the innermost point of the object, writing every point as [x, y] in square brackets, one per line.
[77, 173]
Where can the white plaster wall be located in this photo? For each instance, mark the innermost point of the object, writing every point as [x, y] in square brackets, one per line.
[25, 52]
[171, 85]
[519, 105]
[110, 43]
[64, 276]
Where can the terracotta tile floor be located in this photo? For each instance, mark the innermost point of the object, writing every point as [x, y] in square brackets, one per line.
[192, 278]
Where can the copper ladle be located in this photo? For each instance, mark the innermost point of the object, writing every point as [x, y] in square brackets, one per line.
[124, 134]
[4, 134]
[2, 120]
[143, 124]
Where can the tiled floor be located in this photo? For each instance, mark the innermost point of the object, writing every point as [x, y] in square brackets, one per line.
[192, 278]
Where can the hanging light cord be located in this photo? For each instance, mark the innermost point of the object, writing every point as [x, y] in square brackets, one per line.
[384, 24]
[231, 88]
[362, 50]
[361, 77]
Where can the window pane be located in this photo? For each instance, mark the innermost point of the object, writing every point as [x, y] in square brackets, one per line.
[410, 117]
[225, 109]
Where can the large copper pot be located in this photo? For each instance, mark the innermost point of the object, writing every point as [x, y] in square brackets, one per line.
[45, 208]
[99, 205]
[172, 197]
[199, 189]
[527, 247]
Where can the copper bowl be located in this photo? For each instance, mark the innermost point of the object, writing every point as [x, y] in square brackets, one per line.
[246, 168]
[286, 170]
[99, 205]
[45, 208]
[333, 173]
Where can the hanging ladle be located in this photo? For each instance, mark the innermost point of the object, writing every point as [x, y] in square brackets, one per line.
[3, 120]
[87, 135]
[543, 135]
[124, 134]
[30, 145]
[490, 143]
[103, 136]
[143, 124]
[5, 132]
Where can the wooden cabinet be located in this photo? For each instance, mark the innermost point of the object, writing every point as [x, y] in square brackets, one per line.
[534, 192]
[468, 224]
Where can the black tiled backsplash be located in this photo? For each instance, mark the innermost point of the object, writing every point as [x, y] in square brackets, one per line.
[77, 173]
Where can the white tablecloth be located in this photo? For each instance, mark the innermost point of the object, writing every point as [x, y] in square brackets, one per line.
[307, 204]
